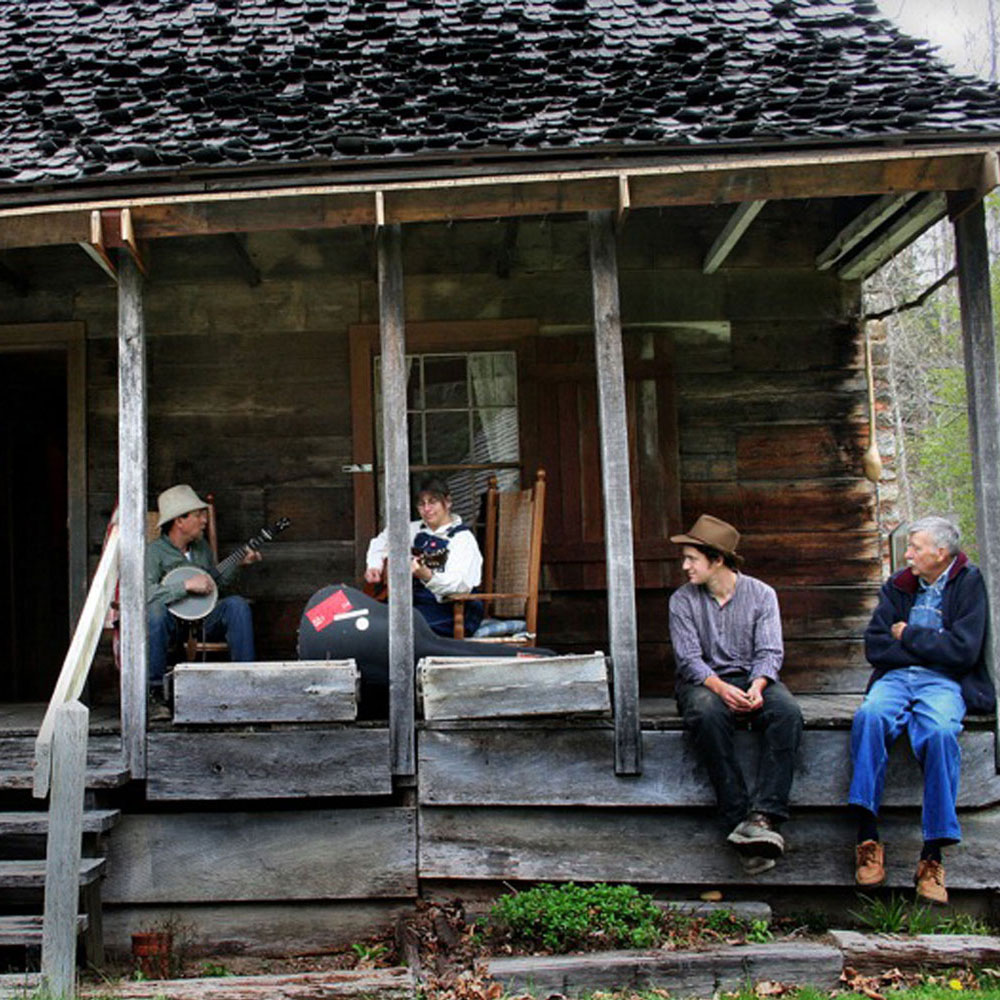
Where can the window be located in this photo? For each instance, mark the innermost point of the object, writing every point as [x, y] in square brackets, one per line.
[462, 421]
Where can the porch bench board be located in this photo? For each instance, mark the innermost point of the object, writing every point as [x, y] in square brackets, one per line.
[288, 691]
[280, 763]
[575, 767]
[216, 857]
[679, 847]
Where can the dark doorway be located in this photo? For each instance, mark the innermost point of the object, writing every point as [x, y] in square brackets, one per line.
[34, 542]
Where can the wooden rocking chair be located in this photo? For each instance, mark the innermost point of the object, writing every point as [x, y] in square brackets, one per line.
[512, 560]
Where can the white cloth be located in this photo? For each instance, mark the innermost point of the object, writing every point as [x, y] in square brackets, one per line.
[461, 573]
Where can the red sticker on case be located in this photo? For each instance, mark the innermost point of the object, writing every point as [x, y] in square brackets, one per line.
[327, 610]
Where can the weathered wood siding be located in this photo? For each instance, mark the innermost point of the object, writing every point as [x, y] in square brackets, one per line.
[746, 399]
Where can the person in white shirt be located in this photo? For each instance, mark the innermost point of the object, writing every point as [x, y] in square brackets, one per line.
[440, 540]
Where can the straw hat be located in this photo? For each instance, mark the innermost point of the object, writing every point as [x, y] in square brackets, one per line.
[708, 530]
[176, 502]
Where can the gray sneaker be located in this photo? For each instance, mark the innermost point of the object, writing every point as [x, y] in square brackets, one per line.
[753, 865]
[757, 837]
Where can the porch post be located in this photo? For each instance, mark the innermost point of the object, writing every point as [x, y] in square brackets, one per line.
[617, 492]
[132, 511]
[979, 346]
[392, 331]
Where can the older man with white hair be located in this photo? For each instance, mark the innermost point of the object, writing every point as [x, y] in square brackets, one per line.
[925, 641]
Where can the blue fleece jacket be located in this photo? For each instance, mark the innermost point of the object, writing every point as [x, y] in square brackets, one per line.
[955, 651]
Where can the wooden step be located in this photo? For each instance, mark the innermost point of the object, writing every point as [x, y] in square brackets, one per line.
[28, 930]
[37, 822]
[31, 874]
[105, 766]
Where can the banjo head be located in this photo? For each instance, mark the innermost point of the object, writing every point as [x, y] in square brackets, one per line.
[191, 607]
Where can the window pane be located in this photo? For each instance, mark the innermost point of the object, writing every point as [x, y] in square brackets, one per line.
[447, 438]
[494, 435]
[494, 379]
[414, 393]
[414, 422]
[445, 382]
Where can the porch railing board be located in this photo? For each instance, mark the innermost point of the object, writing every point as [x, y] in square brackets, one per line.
[286, 763]
[289, 691]
[574, 768]
[682, 848]
[213, 857]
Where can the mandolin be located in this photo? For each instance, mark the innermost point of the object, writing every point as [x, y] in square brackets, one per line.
[193, 607]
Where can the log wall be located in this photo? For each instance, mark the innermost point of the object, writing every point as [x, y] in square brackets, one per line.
[249, 398]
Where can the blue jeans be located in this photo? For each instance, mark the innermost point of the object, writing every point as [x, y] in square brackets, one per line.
[712, 725]
[930, 707]
[230, 620]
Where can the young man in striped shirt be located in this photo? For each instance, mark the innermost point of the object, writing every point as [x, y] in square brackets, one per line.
[726, 633]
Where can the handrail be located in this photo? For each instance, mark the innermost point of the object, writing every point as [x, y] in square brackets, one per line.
[79, 656]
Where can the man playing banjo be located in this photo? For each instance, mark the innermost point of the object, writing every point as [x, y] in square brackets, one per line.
[183, 517]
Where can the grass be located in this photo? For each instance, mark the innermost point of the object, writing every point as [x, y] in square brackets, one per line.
[895, 914]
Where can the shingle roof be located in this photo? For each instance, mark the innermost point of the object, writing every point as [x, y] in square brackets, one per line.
[92, 88]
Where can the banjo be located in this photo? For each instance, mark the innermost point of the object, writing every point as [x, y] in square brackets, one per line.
[192, 607]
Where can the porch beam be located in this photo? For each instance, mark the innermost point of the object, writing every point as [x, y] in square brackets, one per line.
[860, 227]
[738, 224]
[622, 634]
[395, 447]
[979, 346]
[918, 216]
[132, 462]
[469, 193]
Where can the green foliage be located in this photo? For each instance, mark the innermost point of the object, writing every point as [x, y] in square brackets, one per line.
[569, 916]
[759, 932]
[963, 923]
[895, 915]
[727, 924]
[209, 969]
[885, 916]
[367, 952]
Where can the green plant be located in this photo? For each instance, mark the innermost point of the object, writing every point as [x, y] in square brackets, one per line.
[215, 969]
[367, 952]
[962, 923]
[569, 916]
[759, 932]
[920, 920]
[886, 916]
[726, 924]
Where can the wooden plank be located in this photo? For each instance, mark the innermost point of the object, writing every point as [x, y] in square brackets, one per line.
[808, 344]
[395, 450]
[866, 222]
[617, 491]
[279, 929]
[739, 222]
[37, 823]
[63, 849]
[132, 464]
[586, 845]
[296, 691]
[805, 451]
[979, 347]
[26, 874]
[267, 765]
[205, 857]
[871, 954]
[704, 973]
[914, 219]
[573, 768]
[494, 688]
[709, 180]
[28, 930]
[342, 984]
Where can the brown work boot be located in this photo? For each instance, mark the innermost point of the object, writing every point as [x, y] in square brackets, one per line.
[929, 881]
[869, 863]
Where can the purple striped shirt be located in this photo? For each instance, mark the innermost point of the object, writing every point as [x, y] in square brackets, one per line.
[743, 638]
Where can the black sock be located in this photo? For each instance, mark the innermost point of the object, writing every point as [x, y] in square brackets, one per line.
[931, 851]
[867, 824]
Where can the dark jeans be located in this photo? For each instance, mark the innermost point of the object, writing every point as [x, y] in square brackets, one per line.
[230, 619]
[712, 725]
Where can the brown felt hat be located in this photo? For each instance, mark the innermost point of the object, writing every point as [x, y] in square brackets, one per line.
[708, 530]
